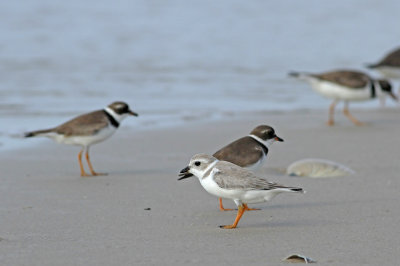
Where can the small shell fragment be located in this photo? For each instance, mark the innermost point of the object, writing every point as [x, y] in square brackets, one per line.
[318, 168]
[297, 258]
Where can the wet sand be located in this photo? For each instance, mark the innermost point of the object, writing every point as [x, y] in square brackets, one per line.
[141, 215]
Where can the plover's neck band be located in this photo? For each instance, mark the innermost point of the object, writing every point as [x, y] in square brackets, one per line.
[264, 144]
[109, 113]
[209, 169]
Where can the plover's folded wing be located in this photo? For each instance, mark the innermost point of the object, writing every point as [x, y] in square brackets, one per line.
[351, 79]
[84, 125]
[230, 176]
[244, 152]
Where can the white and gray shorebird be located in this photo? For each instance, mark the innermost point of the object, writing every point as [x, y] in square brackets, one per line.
[249, 152]
[347, 86]
[389, 65]
[227, 180]
[88, 129]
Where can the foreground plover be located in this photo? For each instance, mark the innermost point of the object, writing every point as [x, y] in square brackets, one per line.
[88, 129]
[227, 180]
[249, 152]
[389, 66]
[347, 86]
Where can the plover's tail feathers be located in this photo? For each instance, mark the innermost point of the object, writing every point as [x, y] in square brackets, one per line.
[297, 189]
[371, 66]
[37, 133]
[280, 189]
[294, 74]
[294, 189]
[299, 74]
[289, 189]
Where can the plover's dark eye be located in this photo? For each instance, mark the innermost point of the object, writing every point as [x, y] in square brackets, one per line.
[197, 163]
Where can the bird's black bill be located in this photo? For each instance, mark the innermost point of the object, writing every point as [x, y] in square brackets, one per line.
[184, 173]
[132, 113]
[278, 138]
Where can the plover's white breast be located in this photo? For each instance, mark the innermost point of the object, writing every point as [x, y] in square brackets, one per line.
[212, 187]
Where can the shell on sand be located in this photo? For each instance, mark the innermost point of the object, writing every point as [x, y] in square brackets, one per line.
[297, 258]
[318, 168]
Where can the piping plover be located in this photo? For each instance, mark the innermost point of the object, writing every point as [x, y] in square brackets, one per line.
[389, 66]
[88, 129]
[227, 180]
[249, 152]
[347, 86]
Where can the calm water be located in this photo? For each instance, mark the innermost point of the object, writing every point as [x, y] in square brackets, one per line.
[174, 61]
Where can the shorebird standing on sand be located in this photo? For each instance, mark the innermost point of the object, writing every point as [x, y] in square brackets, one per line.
[88, 129]
[227, 180]
[347, 86]
[249, 152]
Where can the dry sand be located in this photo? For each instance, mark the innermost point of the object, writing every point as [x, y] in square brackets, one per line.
[51, 216]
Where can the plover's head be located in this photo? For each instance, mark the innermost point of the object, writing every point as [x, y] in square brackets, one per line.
[266, 133]
[386, 88]
[119, 110]
[198, 166]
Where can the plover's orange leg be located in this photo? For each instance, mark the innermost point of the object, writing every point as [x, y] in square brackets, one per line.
[83, 173]
[249, 209]
[90, 164]
[240, 212]
[352, 118]
[221, 207]
[331, 113]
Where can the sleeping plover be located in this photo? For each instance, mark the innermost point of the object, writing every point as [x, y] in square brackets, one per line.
[389, 66]
[88, 129]
[346, 85]
[227, 180]
[250, 151]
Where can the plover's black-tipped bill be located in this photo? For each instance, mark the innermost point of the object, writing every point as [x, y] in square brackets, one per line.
[184, 173]
[133, 113]
[278, 138]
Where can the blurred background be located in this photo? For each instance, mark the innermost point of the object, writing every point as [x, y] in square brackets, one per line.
[178, 61]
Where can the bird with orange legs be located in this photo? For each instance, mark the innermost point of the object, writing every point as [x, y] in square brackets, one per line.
[227, 180]
[88, 129]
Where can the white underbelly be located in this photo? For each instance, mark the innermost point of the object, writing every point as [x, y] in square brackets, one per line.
[390, 72]
[84, 140]
[333, 91]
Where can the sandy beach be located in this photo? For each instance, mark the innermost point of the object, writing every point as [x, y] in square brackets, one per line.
[51, 216]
